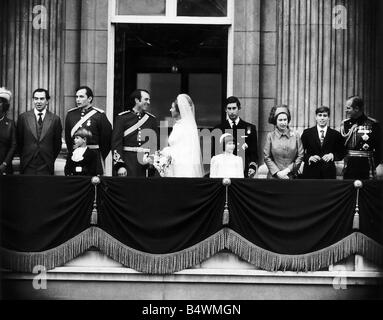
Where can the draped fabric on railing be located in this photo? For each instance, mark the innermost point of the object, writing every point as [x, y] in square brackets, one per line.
[32, 51]
[326, 53]
[160, 226]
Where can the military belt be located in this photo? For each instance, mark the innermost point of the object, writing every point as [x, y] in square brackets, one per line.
[361, 154]
[136, 149]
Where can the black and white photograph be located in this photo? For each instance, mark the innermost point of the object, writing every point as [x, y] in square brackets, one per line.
[203, 152]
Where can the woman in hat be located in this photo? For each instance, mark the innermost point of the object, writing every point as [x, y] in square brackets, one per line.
[82, 161]
[226, 165]
[7, 134]
[283, 151]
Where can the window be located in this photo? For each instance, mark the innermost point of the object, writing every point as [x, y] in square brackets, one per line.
[141, 7]
[202, 8]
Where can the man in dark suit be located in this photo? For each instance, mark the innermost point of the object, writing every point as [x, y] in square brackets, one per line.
[244, 133]
[322, 146]
[39, 137]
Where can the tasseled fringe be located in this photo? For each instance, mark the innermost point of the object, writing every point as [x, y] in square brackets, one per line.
[26, 261]
[355, 243]
[162, 263]
[131, 258]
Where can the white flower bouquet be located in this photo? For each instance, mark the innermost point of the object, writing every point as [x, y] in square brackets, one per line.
[162, 162]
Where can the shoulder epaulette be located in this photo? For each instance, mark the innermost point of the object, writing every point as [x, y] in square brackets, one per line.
[123, 112]
[73, 109]
[150, 114]
[99, 110]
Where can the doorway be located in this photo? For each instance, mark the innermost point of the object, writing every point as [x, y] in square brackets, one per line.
[172, 59]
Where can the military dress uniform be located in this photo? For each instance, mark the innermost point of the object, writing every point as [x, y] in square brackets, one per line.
[362, 142]
[94, 120]
[7, 143]
[130, 142]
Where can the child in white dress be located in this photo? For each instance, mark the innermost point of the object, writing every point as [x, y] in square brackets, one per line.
[226, 165]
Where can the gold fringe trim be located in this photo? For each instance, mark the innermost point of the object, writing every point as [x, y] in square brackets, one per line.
[355, 243]
[129, 257]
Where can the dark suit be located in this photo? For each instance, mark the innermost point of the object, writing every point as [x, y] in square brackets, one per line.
[245, 133]
[333, 143]
[86, 167]
[7, 143]
[38, 154]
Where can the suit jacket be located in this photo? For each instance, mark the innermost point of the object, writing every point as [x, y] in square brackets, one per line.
[7, 143]
[250, 132]
[88, 165]
[49, 143]
[333, 143]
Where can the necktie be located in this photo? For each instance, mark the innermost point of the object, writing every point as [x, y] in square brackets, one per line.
[234, 127]
[39, 124]
[321, 137]
[40, 121]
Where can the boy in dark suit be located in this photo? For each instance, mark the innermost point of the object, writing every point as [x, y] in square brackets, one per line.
[322, 146]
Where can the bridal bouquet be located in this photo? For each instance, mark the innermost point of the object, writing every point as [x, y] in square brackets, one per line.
[161, 162]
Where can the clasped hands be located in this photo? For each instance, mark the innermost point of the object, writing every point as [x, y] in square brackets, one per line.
[284, 174]
[326, 158]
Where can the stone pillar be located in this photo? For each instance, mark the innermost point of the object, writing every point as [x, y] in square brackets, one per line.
[32, 51]
[246, 57]
[325, 54]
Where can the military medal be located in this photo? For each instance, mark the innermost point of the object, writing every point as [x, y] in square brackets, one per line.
[88, 123]
[366, 147]
[248, 130]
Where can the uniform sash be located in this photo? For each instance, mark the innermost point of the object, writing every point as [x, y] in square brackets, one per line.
[81, 121]
[136, 126]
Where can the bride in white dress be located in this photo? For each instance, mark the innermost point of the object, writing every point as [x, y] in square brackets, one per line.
[184, 146]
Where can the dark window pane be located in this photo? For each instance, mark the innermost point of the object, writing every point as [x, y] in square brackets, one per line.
[141, 7]
[206, 91]
[202, 8]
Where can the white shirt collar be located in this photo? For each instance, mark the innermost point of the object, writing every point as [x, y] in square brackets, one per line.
[78, 154]
[320, 129]
[37, 113]
[231, 121]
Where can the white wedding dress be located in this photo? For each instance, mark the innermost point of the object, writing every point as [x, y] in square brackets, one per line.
[184, 146]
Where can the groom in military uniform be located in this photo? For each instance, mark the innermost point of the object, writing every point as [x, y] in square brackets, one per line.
[135, 136]
[93, 119]
[362, 141]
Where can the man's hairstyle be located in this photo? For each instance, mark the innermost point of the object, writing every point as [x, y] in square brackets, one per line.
[276, 111]
[4, 105]
[323, 109]
[42, 90]
[356, 101]
[232, 99]
[83, 133]
[89, 92]
[136, 94]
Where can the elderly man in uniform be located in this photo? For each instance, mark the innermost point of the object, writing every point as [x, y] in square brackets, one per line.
[129, 146]
[244, 133]
[7, 134]
[362, 141]
[85, 115]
